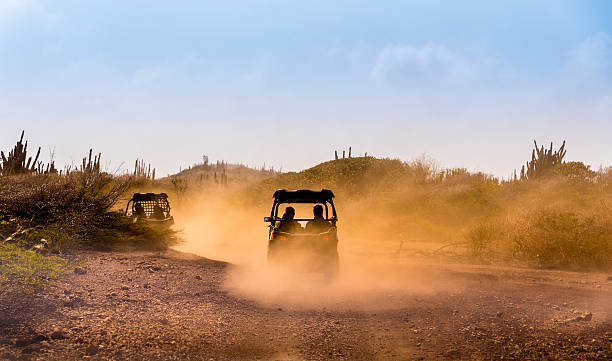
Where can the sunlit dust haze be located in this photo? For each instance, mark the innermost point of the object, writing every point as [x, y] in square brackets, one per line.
[373, 275]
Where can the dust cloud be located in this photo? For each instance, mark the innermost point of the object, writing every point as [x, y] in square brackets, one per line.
[373, 275]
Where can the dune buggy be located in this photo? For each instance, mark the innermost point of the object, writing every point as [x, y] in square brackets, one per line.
[149, 207]
[315, 251]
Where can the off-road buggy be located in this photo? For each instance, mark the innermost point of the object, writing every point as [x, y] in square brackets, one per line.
[149, 207]
[316, 252]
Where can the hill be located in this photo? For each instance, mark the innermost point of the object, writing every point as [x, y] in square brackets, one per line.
[561, 219]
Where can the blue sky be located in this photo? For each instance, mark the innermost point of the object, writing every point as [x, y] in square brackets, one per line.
[470, 83]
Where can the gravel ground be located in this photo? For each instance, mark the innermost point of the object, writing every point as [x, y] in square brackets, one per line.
[174, 306]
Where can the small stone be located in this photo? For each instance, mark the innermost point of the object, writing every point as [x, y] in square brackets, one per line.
[280, 309]
[499, 314]
[609, 278]
[125, 287]
[58, 333]
[146, 285]
[91, 350]
[39, 338]
[556, 308]
[23, 342]
[585, 317]
[80, 270]
[198, 277]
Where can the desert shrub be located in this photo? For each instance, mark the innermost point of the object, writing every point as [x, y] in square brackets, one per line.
[44, 198]
[562, 239]
[74, 210]
[481, 237]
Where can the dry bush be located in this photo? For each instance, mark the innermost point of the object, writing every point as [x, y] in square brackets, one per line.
[44, 198]
[564, 239]
[481, 238]
[74, 210]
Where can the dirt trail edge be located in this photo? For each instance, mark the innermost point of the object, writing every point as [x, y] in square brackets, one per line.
[173, 306]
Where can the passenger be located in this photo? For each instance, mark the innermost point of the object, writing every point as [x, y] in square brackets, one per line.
[158, 213]
[287, 223]
[139, 210]
[318, 224]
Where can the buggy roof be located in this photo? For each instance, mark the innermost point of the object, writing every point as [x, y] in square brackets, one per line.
[303, 196]
[142, 197]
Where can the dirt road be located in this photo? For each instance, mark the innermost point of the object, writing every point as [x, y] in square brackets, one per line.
[179, 307]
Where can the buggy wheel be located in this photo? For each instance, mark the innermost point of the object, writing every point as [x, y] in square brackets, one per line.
[331, 268]
[272, 253]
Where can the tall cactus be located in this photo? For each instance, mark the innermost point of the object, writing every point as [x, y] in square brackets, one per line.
[542, 160]
[91, 165]
[143, 170]
[15, 162]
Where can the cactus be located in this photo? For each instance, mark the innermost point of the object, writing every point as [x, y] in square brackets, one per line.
[542, 160]
[91, 165]
[143, 170]
[336, 154]
[15, 162]
[349, 152]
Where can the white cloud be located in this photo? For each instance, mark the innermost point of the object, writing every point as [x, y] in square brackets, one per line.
[431, 62]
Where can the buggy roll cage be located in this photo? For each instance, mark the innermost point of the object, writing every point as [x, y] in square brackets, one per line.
[323, 197]
[148, 202]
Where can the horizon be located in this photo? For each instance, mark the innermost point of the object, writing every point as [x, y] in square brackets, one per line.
[287, 84]
[124, 167]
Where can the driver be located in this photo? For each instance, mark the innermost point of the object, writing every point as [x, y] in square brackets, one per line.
[318, 224]
[139, 210]
[287, 223]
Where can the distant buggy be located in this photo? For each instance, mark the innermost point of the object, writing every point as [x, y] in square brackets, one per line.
[150, 207]
[311, 250]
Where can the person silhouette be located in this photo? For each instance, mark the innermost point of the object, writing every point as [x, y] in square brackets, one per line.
[287, 223]
[318, 224]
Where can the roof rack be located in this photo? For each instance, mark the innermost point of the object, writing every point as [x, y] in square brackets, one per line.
[303, 196]
[142, 197]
